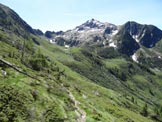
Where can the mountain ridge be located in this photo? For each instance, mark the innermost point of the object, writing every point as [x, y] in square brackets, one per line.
[15, 22]
[107, 34]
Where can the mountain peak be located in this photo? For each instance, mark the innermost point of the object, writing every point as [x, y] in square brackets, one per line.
[92, 23]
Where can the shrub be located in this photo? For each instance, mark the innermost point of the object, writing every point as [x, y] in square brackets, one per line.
[108, 53]
[14, 103]
[144, 111]
[53, 113]
[38, 61]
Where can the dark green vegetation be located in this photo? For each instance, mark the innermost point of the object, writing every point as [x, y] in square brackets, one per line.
[49, 83]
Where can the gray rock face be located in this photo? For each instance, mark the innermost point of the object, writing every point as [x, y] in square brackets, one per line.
[126, 38]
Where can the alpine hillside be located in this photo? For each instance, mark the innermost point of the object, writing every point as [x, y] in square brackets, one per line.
[96, 72]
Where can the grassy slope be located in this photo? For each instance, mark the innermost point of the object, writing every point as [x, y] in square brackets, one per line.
[100, 104]
[66, 56]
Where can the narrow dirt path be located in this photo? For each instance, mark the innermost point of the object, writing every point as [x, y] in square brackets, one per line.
[81, 114]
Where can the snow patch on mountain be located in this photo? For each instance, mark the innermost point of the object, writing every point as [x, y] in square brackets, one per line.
[67, 46]
[114, 32]
[134, 57]
[52, 41]
[112, 43]
[143, 33]
[135, 37]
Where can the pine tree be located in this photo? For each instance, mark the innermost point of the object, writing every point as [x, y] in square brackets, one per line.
[144, 111]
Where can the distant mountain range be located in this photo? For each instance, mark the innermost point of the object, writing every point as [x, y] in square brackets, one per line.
[131, 38]
[127, 38]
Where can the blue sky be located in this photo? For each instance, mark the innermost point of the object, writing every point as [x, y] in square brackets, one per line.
[58, 15]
